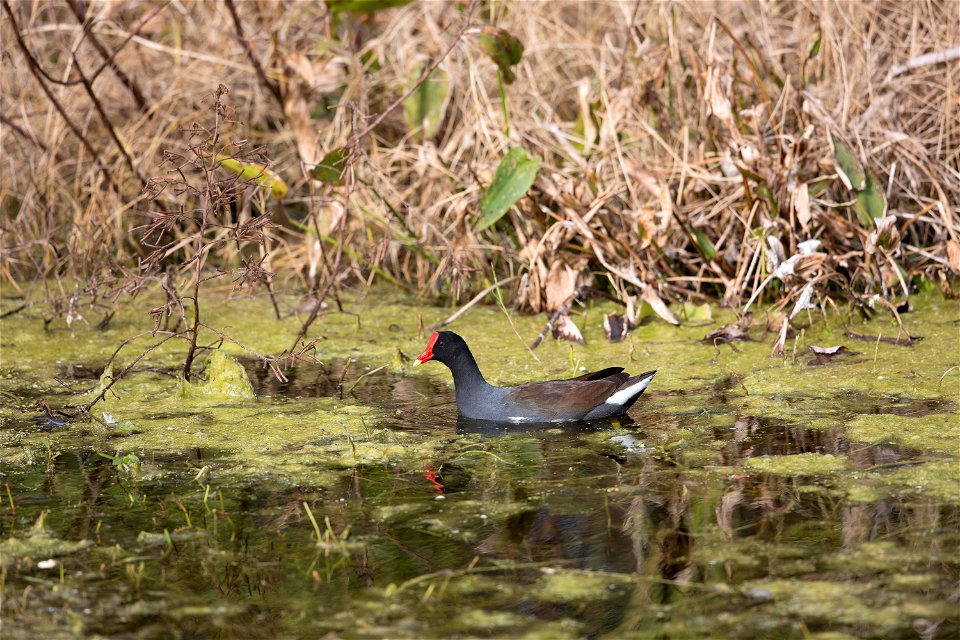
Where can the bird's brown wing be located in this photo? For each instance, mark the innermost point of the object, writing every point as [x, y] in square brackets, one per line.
[566, 399]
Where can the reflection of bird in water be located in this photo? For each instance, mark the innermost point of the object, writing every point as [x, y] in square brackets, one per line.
[540, 534]
[490, 428]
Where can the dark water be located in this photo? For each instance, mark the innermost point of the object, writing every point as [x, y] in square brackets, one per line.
[657, 532]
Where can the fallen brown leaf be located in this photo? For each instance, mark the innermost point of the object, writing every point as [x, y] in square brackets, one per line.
[732, 332]
[615, 327]
[953, 255]
[560, 285]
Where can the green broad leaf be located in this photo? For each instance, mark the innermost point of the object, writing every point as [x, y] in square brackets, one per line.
[815, 47]
[425, 107]
[871, 203]
[514, 176]
[816, 187]
[129, 459]
[750, 175]
[706, 248]
[764, 191]
[504, 49]
[256, 173]
[586, 129]
[923, 284]
[364, 6]
[851, 171]
[332, 167]
[370, 61]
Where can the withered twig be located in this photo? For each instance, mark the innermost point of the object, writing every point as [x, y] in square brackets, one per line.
[79, 10]
[901, 342]
[88, 87]
[477, 298]
[626, 44]
[20, 132]
[334, 270]
[269, 84]
[562, 309]
[36, 71]
[423, 77]
[14, 311]
[115, 379]
[211, 201]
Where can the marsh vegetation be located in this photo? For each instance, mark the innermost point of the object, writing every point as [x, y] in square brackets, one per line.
[227, 227]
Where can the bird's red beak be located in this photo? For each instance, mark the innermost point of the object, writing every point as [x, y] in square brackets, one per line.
[427, 354]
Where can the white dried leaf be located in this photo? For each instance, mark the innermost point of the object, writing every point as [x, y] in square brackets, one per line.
[827, 351]
[296, 108]
[787, 268]
[717, 102]
[632, 312]
[651, 298]
[565, 329]
[804, 301]
[314, 255]
[776, 254]
[727, 168]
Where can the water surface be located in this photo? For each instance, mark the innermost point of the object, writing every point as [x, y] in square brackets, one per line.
[746, 497]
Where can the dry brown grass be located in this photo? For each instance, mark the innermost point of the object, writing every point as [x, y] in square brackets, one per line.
[698, 111]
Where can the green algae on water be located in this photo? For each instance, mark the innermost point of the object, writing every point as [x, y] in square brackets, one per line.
[800, 464]
[39, 543]
[825, 601]
[225, 378]
[571, 586]
[649, 528]
[937, 432]
[939, 479]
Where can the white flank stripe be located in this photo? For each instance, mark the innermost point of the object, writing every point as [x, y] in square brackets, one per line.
[516, 418]
[622, 396]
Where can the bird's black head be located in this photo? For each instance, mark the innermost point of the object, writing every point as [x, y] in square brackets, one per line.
[444, 346]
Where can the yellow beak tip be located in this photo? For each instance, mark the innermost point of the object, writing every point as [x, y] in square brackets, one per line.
[416, 363]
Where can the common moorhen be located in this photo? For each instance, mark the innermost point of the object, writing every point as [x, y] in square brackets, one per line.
[602, 394]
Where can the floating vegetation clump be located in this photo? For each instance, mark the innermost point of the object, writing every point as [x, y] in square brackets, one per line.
[225, 378]
[226, 228]
[801, 464]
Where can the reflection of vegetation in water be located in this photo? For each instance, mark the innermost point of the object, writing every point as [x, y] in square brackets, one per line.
[751, 497]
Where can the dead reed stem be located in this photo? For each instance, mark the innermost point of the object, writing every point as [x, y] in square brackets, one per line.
[687, 155]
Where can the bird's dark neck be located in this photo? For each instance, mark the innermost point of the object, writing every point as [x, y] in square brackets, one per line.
[466, 373]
